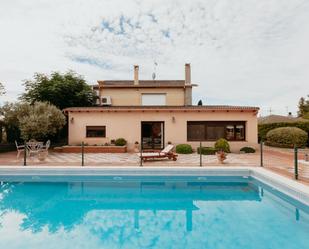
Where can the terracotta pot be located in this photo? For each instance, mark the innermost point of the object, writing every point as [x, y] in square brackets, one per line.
[221, 155]
[42, 155]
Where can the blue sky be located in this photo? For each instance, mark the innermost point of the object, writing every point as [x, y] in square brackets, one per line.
[244, 52]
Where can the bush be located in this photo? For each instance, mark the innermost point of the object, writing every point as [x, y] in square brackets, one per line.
[206, 150]
[286, 137]
[184, 149]
[248, 149]
[222, 144]
[120, 142]
[264, 128]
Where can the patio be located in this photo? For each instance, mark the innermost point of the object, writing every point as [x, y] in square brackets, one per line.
[278, 160]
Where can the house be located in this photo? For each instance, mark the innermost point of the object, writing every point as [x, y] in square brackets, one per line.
[155, 112]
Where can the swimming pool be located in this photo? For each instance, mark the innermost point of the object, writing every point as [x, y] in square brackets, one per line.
[184, 211]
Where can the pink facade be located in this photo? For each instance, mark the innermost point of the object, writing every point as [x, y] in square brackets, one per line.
[157, 112]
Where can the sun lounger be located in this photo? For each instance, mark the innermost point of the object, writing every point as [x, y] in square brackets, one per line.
[165, 153]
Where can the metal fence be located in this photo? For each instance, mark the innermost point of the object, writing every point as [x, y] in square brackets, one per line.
[291, 162]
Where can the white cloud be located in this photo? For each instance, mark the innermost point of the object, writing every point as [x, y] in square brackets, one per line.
[242, 52]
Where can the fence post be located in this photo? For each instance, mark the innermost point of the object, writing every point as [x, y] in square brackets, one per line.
[25, 153]
[140, 154]
[83, 162]
[261, 154]
[201, 163]
[296, 162]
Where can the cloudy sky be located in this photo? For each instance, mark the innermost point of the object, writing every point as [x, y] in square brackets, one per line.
[244, 52]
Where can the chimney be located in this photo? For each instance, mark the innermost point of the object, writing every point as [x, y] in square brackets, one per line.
[187, 74]
[136, 68]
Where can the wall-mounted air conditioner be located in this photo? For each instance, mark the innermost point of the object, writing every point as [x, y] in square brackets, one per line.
[106, 100]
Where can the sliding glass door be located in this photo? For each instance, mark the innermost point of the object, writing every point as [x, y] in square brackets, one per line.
[152, 135]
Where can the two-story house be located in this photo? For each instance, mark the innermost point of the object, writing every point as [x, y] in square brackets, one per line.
[155, 112]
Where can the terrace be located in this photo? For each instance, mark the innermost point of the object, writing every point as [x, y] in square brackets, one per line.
[278, 160]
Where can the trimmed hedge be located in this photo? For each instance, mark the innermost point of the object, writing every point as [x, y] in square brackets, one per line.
[264, 128]
[184, 149]
[222, 144]
[247, 149]
[120, 142]
[286, 137]
[206, 150]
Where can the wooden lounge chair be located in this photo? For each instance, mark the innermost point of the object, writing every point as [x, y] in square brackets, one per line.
[165, 153]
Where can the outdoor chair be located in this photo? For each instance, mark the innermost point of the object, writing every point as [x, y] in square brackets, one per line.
[46, 146]
[165, 153]
[20, 149]
[34, 147]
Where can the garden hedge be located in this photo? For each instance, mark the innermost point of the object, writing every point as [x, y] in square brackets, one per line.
[247, 150]
[120, 142]
[264, 128]
[206, 150]
[184, 149]
[286, 137]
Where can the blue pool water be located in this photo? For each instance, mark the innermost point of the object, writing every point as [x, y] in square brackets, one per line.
[149, 212]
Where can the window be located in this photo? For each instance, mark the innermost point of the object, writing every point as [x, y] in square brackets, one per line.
[153, 99]
[95, 131]
[213, 130]
[196, 131]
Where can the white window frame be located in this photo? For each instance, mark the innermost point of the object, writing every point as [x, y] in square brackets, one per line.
[153, 99]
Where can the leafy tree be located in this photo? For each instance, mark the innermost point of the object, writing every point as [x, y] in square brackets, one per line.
[10, 121]
[303, 107]
[37, 121]
[2, 90]
[62, 90]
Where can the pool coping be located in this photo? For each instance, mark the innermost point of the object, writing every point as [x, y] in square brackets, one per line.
[285, 185]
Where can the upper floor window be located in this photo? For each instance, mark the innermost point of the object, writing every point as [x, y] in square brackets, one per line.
[153, 99]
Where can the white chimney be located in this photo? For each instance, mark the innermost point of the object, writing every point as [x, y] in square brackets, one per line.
[187, 74]
[136, 68]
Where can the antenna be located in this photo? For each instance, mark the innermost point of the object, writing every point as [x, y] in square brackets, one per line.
[155, 64]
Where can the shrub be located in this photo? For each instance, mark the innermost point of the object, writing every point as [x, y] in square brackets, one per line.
[206, 150]
[286, 137]
[264, 128]
[184, 149]
[222, 144]
[120, 142]
[248, 149]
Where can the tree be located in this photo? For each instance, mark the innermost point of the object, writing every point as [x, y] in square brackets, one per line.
[62, 90]
[37, 121]
[2, 90]
[303, 107]
[200, 103]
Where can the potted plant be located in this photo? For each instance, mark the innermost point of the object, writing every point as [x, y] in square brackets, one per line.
[221, 155]
[222, 146]
[136, 146]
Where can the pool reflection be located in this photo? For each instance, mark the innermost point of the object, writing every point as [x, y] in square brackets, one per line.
[66, 204]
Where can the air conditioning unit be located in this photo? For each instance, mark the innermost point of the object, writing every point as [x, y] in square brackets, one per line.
[106, 100]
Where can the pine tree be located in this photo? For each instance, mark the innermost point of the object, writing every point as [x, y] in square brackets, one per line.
[303, 107]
